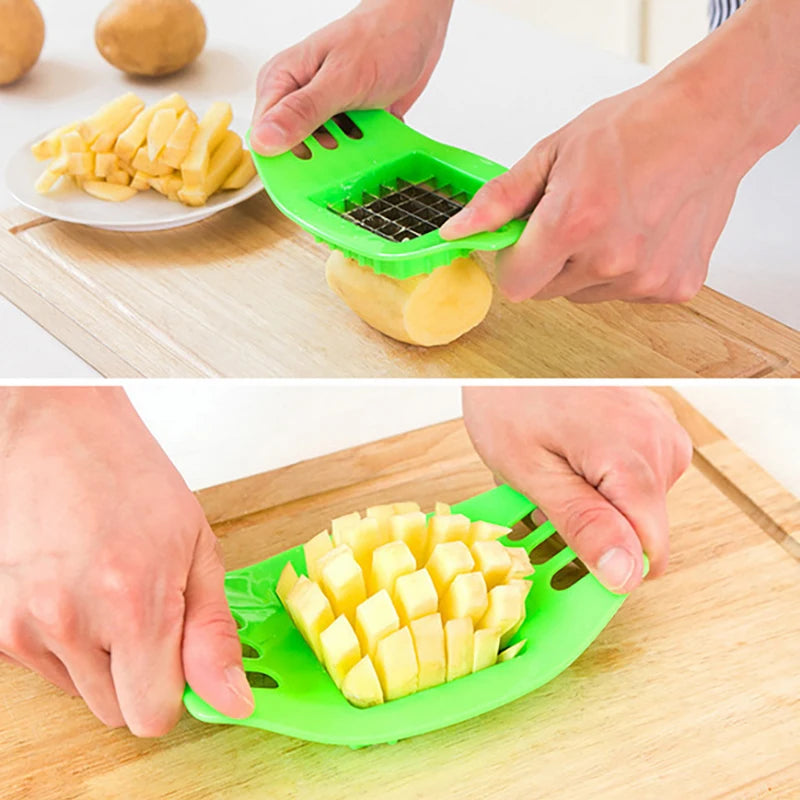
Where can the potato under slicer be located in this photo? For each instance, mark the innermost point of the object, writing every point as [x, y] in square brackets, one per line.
[295, 696]
[382, 193]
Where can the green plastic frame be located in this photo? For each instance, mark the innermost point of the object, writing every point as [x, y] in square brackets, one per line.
[388, 149]
[559, 626]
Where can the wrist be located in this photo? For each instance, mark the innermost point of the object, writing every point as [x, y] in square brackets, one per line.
[743, 81]
[436, 12]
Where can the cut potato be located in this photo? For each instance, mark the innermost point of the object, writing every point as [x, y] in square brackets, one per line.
[223, 161]
[340, 649]
[243, 174]
[177, 145]
[81, 164]
[441, 509]
[142, 163]
[389, 562]
[459, 642]
[493, 560]
[427, 310]
[486, 645]
[112, 192]
[396, 664]
[133, 137]
[105, 164]
[466, 597]
[428, 635]
[102, 128]
[288, 578]
[414, 596]
[343, 583]
[50, 146]
[310, 611]
[521, 565]
[407, 627]
[487, 531]
[162, 126]
[448, 560]
[376, 618]
[510, 652]
[208, 136]
[447, 528]
[504, 609]
[361, 686]
[313, 550]
[411, 528]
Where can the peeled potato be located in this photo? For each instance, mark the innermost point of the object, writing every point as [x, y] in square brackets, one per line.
[21, 38]
[150, 37]
[427, 310]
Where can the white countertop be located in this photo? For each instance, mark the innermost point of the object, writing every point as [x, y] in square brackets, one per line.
[217, 431]
[500, 86]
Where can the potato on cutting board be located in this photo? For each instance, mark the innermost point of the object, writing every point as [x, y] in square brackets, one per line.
[392, 621]
[426, 310]
[125, 148]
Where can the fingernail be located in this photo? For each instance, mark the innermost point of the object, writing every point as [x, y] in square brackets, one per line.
[270, 133]
[615, 567]
[236, 681]
[461, 218]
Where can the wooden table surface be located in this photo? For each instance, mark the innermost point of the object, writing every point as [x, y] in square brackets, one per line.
[243, 294]
[693, 689]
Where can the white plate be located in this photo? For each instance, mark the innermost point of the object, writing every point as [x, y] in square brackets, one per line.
[148, 211]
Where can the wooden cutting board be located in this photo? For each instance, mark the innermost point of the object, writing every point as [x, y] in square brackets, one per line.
[693, 690]
[243, 294]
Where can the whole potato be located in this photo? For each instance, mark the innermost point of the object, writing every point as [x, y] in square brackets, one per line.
[150, 37]
[21, 38]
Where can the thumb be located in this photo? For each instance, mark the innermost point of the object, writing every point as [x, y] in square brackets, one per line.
[212, 654]
[506, 197]
[601, 536]
[298, 114]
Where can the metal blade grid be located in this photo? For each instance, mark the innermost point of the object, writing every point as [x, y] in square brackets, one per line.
[404, 211]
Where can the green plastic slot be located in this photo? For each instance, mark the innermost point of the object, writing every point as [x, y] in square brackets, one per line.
[314, 190]
[306, 704]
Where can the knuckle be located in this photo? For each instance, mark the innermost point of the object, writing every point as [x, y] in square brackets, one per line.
[301, 105]
[586, 522]
[586, 217]
[153, 724]
[12, 634]
[648, 284]
[54, 610]
[687, 288]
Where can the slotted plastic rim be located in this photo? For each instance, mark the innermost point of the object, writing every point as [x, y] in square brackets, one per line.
[319, 193]
[559, 626]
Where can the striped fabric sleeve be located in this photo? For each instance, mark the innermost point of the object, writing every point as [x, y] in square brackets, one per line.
[720, 10]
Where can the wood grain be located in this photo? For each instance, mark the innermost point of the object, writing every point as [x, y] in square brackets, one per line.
[691, 691]
[243, 294]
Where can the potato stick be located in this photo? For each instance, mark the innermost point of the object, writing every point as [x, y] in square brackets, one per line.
[50, 146]
[161, 128]
[243, 174]
[143, 164]
[105, 164]
[140, 181]
[224, 159]
[108, 191]
[120, 177]
[131, 139]
[112, 117]
[80, 164]
[72, 142]
[207, 138]
[177, 145]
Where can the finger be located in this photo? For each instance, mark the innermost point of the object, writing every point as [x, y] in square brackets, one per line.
[297, 115]
[505, 197]
[49, 667]
[146, 666]
[600, 535]
[540, 254]
[636, 491]
[572, 279]
[90, 672]
[212, 655]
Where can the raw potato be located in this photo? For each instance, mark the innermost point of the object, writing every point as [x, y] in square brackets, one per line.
[150, 37]
[425, 310]
[21, 38]
[370, 610]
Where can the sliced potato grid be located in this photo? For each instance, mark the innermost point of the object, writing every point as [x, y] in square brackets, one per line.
[395, 603]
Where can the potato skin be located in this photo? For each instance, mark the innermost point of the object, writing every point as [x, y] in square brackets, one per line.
[150, 37]
[21, 38]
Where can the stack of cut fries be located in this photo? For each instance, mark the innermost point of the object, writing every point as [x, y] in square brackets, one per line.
[125, 148]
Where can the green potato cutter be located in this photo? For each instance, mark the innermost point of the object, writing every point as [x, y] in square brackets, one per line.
[369, 185]
[295, 696]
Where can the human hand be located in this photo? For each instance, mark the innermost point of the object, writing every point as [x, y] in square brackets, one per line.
[598, 461]
[111, 584]
[380, 55]
[628, 200]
